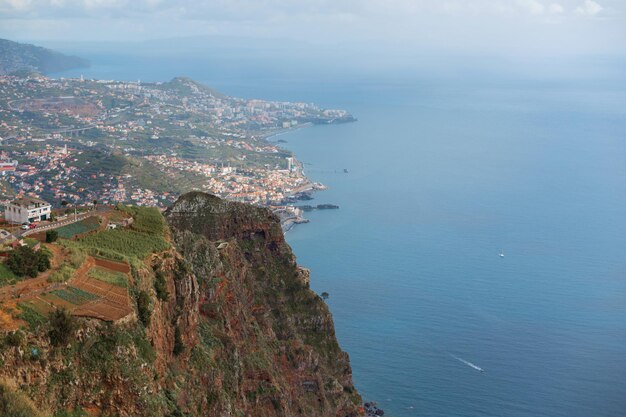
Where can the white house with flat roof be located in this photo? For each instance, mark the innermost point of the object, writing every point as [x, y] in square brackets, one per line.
[26, 210]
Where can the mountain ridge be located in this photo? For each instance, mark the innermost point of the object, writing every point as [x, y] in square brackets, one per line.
[20, 57]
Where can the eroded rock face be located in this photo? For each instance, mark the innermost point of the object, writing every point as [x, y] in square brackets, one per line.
[217, 219]
[278, 351]
[233, 330]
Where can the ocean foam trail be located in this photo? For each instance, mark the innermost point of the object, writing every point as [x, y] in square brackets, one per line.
[471, 365]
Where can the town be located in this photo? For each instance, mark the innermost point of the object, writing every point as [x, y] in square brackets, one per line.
[76, 141]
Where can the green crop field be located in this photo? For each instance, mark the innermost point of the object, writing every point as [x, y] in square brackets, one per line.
[75, 295]
[108, 276]
[83, 226]
[120, 244]
[31, 315]
[145, 236]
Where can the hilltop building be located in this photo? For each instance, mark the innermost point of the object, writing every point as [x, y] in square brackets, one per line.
[26, 210]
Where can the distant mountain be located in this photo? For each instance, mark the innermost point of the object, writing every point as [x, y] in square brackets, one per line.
[19, 57]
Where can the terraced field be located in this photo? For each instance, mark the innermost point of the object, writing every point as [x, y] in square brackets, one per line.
[108, 276]
[84, 226]
[39, 305]
[99, 264]
[75, 295]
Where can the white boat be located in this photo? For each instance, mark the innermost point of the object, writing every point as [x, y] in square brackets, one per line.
[501, 254]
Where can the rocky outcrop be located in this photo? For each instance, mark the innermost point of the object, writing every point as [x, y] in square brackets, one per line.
[273, 336]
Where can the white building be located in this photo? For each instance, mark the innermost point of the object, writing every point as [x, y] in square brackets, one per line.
[7, 165]
[27, 209]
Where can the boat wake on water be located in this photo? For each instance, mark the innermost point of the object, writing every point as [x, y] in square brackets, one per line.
[471, 365]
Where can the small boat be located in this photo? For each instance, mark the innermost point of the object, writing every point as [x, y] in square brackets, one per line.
[501, 255]
[345, 171]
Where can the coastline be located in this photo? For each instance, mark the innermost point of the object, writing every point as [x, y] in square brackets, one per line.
[283, 131]
[289, 215]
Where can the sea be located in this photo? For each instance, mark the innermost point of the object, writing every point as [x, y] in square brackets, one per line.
[477, 263]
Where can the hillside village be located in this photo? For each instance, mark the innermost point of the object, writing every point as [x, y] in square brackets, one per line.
[77, 141]
[74, 151]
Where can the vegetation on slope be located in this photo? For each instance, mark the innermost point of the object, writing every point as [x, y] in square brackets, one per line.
[15, 403]
[146, 236]
[24, 261]
[16, 56]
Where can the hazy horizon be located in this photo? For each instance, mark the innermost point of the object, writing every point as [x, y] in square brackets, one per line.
[537, 36]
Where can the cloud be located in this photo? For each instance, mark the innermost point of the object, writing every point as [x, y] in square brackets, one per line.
[259, 9]
[532, 6]
[556, 8]
[458, 25]
[589, 8]
[17, 4]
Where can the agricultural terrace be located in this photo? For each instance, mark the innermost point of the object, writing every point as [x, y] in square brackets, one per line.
[91, 272]
[84, 226]
[97, 288]
[145, 235]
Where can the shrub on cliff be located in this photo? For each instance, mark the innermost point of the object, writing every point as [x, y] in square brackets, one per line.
[61, 327]
[15, 338]
[143, 307]
[52, 236]
[25, 261]
[160, 286]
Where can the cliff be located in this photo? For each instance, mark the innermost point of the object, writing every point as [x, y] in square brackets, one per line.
[224, 324]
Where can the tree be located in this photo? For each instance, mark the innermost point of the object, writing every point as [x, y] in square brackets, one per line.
[95, 203]
[160, 286]
[143, 307]
[25, 261]
[64, 203]
[43, 262]
[61, 327]
[51, 236]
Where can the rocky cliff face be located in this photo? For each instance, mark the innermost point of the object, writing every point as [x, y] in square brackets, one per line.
[231, 330]
[270, 336]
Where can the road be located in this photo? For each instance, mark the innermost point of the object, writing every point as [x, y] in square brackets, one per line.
[55, 225]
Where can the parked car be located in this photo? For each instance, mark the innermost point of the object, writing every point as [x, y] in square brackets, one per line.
[32, 226]
[25, 226]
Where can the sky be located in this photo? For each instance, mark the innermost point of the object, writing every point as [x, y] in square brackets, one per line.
[547, 28]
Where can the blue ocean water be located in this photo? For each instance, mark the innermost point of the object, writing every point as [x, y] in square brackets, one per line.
[444, 175]
[439, 184]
